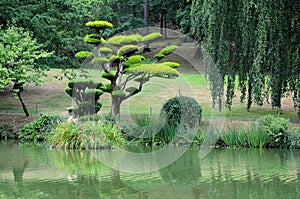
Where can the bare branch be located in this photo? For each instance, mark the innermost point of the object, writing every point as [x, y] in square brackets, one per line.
[129, 78]
[137, 90]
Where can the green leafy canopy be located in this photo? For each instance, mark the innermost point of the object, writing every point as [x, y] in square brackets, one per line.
[157, 70]
[99, 24]
[19, 53]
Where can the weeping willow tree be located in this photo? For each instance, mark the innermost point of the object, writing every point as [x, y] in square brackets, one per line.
[255, 46]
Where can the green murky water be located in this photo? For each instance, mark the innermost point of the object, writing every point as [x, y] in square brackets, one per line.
[37, 172]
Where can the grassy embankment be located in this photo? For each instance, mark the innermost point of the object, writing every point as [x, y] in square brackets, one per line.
[51, 98]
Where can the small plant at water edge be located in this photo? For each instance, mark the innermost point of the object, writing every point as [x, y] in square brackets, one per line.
[40, 129]
[87, 135]
[4, 132]
[294, 139]
[276, 128]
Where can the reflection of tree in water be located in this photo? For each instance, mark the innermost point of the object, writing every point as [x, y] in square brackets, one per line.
[248, 173]
[184, 171]
[18, 172]
[88, 177]
[14, 158]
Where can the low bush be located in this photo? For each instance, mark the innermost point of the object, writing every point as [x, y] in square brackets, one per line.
[270, 131]
[87, 135]
[4, 131]
[294, 139]
[40, 129]
[276, 128]
[182, 110]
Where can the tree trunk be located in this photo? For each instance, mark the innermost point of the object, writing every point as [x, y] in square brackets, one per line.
[198, 52]
[19, 172]
[115, 105]
[18, 88]
[163, 22]
[146, 13]
[115, 177]
[23, 104]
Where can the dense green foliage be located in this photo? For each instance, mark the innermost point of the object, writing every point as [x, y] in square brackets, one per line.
[258, 40]
[276, 128]
[40, 129]
[270, 132]
[19, 52]
[182, 110]
[58, 24]
[294, 139]
[177, 14]
[88, 135]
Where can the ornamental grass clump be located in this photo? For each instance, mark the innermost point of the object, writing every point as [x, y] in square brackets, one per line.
[87, 135]
[253, 137]
[143, 130]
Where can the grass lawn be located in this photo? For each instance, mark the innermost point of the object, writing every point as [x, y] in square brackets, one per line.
[51, 98]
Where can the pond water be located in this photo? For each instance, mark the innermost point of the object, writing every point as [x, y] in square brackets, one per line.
[37, 172]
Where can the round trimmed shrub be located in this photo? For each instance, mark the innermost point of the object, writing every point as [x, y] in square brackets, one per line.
[182, 110]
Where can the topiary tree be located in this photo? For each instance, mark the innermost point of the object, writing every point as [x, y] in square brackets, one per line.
[121, 61]
[86, 95]
[182, 110]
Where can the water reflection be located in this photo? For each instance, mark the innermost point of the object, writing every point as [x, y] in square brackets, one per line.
[37, 172]
[185, 171]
